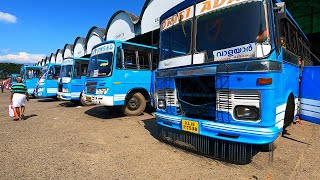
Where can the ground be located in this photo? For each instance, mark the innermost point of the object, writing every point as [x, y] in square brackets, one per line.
[61, 141]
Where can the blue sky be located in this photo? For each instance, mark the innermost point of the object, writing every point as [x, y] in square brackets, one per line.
[31, 29]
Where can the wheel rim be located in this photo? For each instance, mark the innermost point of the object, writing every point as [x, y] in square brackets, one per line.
[133, 103]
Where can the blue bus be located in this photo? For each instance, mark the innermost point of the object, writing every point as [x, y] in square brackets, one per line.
[72, 78]
[228, 75]
[30, 76]
[120, 75]
[47, 85]
[14, 79]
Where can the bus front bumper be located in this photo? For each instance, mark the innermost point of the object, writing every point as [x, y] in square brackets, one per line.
[64, 96]
[224, 131]
[68, 96]
[102, 100]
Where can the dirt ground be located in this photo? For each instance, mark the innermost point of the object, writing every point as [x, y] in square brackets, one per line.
[61, 141]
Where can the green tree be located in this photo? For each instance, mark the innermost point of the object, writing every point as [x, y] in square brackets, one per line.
[6, 69]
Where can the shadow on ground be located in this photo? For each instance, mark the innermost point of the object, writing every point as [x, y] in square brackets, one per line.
[29, 116]
[151, 126]
[104, 112]
[47, 100]
[68, 104]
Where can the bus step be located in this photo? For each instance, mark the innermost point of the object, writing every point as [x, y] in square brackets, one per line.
[232, 152]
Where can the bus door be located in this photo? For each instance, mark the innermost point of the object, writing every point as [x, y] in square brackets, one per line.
[309, 94]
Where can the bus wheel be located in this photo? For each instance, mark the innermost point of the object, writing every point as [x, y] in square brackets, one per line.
[135, 104]
[289, 114]
[82, 101]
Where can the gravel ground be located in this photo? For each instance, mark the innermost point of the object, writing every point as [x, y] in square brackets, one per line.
[60, 141]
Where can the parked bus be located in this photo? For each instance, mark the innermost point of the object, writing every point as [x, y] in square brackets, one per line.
[228, 75]
[47, 85]
[120, 75]
[13, 79]
[72, 78]
[30, 76]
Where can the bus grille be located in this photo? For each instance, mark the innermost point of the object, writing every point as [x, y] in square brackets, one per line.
[233, 152]
[60, 88]
[169, 95]
[91, 87]
[227, 100]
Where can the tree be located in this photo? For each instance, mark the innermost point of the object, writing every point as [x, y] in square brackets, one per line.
[6, 69]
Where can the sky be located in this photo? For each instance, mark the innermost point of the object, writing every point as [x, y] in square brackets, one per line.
[33, 29]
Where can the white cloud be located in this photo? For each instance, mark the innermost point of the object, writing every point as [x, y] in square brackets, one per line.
[21, 58]
[6, 17]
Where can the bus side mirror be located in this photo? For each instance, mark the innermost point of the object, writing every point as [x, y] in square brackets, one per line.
[280, 9]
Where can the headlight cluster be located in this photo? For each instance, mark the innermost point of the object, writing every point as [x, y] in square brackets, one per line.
[40, 89]
[161, 104]
[102, 90]
[251, 113]
[65, 90]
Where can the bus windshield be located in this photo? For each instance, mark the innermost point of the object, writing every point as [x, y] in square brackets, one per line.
[66, 71]
[222, 34]
[32, 73]
[100, 65]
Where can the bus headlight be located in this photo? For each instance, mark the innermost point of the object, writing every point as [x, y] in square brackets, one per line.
[161, 104]
[102, 91]
[40, 89]
[65, 90]
[246, 112]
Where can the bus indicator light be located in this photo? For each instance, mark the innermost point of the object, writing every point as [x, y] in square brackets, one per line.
[264, 81]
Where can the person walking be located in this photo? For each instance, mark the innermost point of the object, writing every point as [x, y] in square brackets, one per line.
[2, 86]
[18, 97]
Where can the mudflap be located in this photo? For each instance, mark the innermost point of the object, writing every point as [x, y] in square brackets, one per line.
[309, 94]
[231, 152]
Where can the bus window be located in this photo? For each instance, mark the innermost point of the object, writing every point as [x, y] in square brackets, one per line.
[130, 60]
[118, 59]
[77, 70]
[143, 60]
[56, 72]
[84, 67]
[50, 73]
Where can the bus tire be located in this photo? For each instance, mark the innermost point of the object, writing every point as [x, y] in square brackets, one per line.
[289, 114]
[82, 101]
[135, 104]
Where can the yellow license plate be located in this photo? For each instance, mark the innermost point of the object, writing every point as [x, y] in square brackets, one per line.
[88, 98]
[190, 126]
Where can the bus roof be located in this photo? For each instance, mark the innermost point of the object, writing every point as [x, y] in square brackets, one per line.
[77, 58]
[123, 42]
[33, 67]
[52, 64]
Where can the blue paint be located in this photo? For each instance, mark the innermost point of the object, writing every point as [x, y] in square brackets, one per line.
[221, 122]
[309, 94]
[71, 83]
[13, 79]
[109, 86]
[47, 85]
[30, 76]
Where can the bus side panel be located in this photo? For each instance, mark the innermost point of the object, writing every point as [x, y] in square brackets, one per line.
[31, 84]
[290, 84]
[76, 88]
[309, 94]
[51, 87]
[127, 80]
